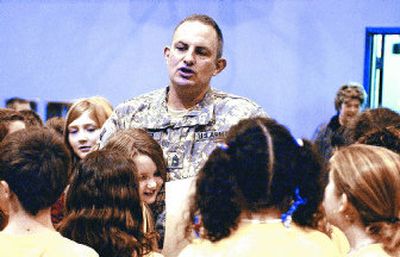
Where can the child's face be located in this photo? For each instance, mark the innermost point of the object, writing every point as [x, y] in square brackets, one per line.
[150, 180]
[83, 134]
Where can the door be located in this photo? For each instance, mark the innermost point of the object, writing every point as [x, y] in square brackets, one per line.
[382, 67]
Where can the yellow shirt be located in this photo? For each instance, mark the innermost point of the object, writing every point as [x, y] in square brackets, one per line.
[372, 250]
[154, 254]
[45, 244]
[271, 239]
[340, 240]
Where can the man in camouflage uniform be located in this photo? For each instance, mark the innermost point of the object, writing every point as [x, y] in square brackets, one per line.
[187, 118]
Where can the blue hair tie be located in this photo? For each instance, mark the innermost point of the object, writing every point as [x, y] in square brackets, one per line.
[197, 224]
[298, 200]
[224, 147]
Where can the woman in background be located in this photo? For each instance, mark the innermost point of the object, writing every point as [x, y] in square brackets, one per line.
[258, 195]
[363, 199]
[348, 102]
[152, 171]
[104, 209]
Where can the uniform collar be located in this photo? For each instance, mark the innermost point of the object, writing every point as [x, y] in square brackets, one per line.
[201, 114]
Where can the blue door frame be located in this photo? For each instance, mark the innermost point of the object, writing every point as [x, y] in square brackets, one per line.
[370, 32]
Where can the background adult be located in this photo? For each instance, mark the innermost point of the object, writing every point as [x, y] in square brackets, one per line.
[348, 102]
[188, 117]
[18, 104]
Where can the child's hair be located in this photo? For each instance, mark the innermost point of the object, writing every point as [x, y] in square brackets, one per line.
[6, 117]
[349, 91]
[372, 120]
[31, 118]
[259, 166]
[3, 220]
[103, 206]
[35, 164]
[135, 141]
[388, 137]
[370, 178]
[57, 124]
[13, 101]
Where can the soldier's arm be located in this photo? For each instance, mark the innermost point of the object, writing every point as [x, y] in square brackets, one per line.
[109, 128]
[259, 112]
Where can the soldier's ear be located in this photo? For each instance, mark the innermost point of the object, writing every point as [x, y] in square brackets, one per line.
[220, 65]
[167, 51]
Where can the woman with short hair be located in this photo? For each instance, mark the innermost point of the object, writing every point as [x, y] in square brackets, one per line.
[348, 102]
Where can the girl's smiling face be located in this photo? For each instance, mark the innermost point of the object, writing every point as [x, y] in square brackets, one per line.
[150, 180]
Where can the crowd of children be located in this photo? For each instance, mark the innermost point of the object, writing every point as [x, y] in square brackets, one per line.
[261, 192]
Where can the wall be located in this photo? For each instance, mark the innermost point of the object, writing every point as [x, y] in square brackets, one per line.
[290, 56]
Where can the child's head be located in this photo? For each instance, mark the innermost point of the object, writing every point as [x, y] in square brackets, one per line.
[34, 165]
[10, 121]
[148, 157]
[260, 166]
[83, 123]
[364, 188]
[103, 205]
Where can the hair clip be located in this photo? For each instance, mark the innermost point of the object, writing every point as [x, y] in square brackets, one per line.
[300, 142]
[286, 217]
[223, 146]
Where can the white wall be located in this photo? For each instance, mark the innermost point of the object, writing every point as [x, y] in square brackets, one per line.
[290, 56]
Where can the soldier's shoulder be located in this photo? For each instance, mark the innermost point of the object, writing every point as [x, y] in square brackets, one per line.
[227, 104]
[139, 102]
[221, 97]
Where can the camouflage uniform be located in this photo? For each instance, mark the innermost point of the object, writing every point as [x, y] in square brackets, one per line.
[186, 142]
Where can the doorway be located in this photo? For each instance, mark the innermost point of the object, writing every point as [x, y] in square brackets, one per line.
[382, 67]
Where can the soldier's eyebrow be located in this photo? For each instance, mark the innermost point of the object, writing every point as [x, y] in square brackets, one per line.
[180, 43]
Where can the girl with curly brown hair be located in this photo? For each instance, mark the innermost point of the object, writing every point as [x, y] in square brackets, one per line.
[104, 209]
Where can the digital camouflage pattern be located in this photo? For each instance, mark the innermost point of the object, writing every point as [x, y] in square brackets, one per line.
[187, 142]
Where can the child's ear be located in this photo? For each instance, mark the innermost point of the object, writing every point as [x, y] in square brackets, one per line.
[4, 189]
[346, 208]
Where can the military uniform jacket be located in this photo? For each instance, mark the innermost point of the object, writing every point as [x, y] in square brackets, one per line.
[186, 142]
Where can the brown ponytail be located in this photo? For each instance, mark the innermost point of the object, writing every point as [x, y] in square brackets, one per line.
[370, 178]
[387, 233]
